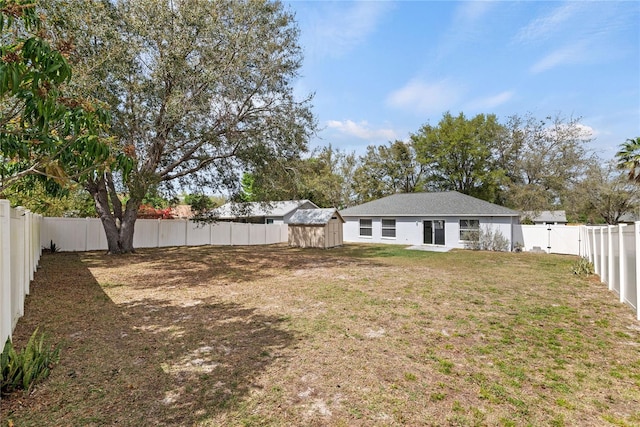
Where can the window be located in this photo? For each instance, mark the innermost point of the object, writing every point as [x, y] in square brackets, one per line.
[389, 228]
[269, 221]
[469, 229]
[366, 228]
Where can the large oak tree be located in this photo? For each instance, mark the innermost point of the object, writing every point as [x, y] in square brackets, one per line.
[198, 90]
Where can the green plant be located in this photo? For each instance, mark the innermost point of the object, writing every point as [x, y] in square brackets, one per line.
[22, 370]
[583, 267]
[53, 248]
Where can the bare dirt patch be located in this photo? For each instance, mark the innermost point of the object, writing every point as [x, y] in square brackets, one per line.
[361, 335]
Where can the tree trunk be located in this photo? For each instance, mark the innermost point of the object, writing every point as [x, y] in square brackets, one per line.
[118, 225]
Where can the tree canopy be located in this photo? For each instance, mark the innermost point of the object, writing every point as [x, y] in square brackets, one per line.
[43, 132]
[458, 154]
[199, 90]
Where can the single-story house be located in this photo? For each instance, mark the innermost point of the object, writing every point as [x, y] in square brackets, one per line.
[261, 212]
[315, 228]
[544, 217]
[438, 221]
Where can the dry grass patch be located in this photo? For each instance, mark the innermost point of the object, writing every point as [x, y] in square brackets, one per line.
[360, 335]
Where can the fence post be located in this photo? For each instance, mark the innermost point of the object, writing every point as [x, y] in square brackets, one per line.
[636, 235]
[602, 267]
[622, 272]
[610, 259]
[6, 307]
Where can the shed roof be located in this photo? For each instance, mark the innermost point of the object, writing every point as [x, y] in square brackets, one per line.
[254, 209]
[447, 203]
[313, 216]
[546, 216]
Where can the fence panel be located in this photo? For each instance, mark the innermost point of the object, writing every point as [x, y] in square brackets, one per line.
[198, 234]
[630, 260]
[615, 253]
[221, 233]
[240, 234]
[172, 233]
[19, 255]
[614, 271]
[557, 239]
[95, 237]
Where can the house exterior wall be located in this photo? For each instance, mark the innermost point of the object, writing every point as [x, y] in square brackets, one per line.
[409, 230]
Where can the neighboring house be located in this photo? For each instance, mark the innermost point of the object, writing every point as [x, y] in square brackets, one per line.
[544, 217]
[182, 211]
[435, 220]
[261, 212]
[315, 228]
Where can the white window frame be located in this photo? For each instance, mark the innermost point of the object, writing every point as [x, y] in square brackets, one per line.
[366, 227]
[388, 228]
[468, 227]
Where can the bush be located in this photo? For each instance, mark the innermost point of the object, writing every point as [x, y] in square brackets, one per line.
[487, 240]
[22, 370]
[583, 267]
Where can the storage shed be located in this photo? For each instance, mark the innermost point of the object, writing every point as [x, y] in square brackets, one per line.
[315, 228]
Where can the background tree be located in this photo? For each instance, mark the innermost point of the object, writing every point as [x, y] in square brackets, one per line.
[388, 169]
[324, 178]
[606, 194]
[327, 178]
[199, 90]
[458, 154]
[629, 158]
[542, 160]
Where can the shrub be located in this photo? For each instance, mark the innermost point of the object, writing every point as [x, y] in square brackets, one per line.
[22, 370]
[583, 267]
[487, 240]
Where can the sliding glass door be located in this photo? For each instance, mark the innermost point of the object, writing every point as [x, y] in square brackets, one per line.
[433, 232]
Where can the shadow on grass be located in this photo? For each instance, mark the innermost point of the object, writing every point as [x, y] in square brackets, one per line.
[148, 362]
[225, 264]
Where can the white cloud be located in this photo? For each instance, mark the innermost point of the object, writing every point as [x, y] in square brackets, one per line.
[338, 28]
[546, 26]
[490, 101]
[570, 54]
[472, 11]
[362, 130]
[425, 97]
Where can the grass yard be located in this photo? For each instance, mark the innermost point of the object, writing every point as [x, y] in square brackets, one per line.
[355, 336]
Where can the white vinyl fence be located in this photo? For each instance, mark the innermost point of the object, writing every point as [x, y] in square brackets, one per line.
[87, 234]
[614, 251]
[555, 239]
[19, 255]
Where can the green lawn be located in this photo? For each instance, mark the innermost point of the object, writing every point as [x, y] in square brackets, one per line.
[360, 335]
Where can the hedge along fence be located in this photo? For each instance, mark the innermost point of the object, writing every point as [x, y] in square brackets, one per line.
[87, 234]
[20, 252]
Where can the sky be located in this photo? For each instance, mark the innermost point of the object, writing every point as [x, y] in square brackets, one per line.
[380, 70]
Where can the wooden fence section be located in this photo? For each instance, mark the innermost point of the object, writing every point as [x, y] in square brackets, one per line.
[20, 252]
[87, 234]
[614, 251]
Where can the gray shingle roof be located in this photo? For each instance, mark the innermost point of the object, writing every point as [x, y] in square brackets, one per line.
[312, 216]
[448, 203]
[257, 209]
[546, 216]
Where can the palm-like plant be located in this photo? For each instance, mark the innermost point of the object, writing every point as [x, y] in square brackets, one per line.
[629, 158]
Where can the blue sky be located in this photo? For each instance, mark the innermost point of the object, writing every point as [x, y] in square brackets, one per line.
[380, 70]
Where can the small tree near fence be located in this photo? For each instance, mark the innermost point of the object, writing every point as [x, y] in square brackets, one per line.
[486, 239]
